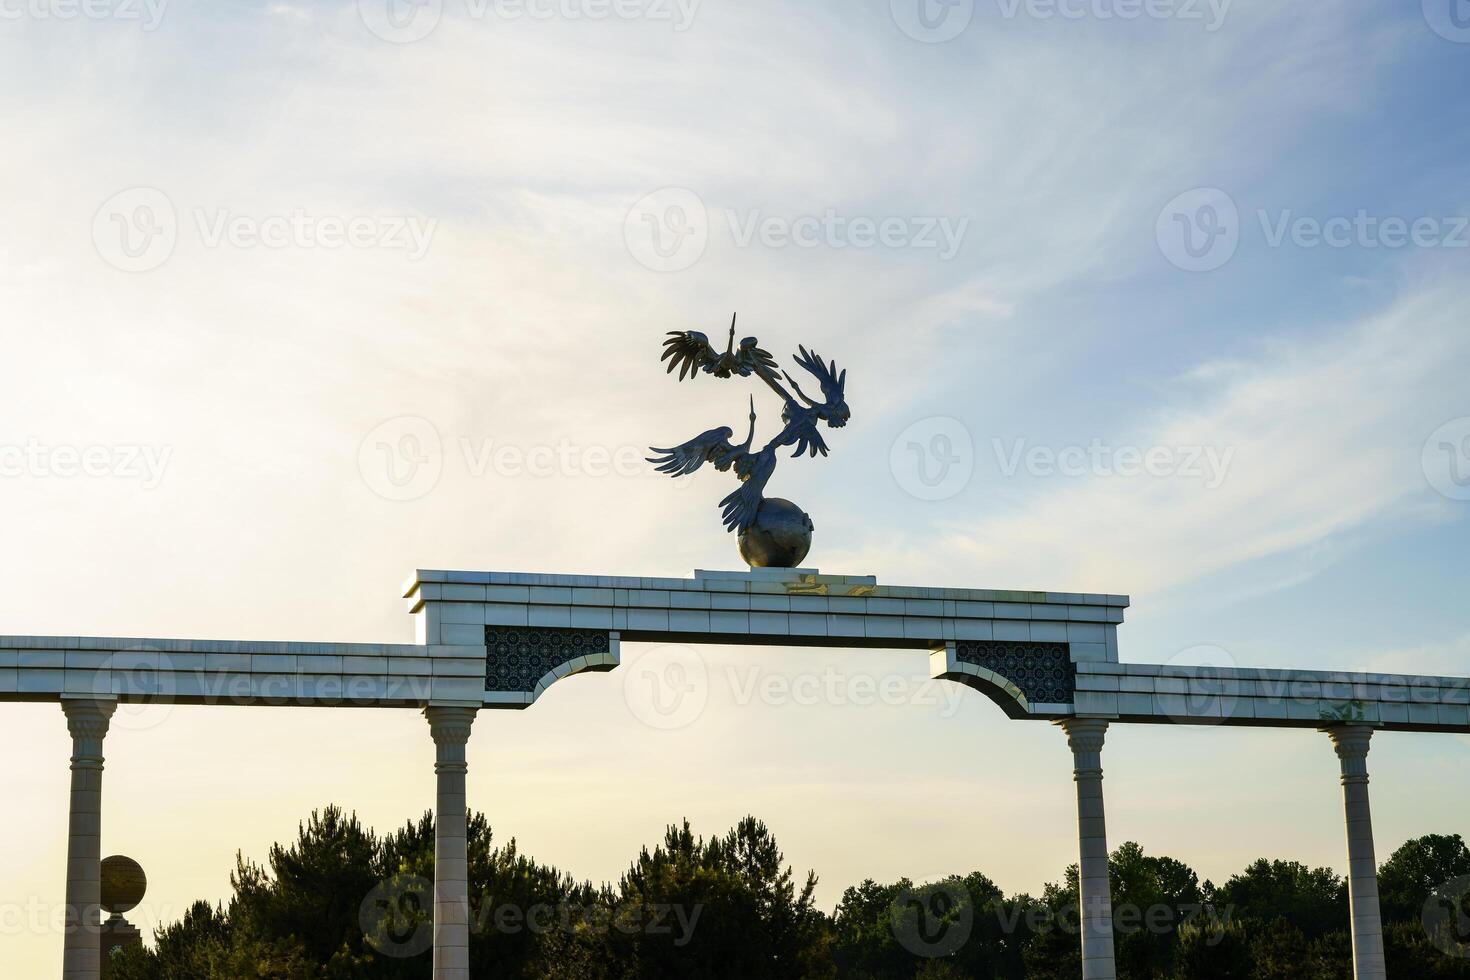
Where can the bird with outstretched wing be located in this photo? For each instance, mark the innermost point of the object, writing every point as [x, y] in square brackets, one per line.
[708, 447]
[690, 352]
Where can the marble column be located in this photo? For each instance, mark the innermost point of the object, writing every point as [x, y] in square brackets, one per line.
[1085, 736]
[1351, 743]
[87, 720]
[450, 727]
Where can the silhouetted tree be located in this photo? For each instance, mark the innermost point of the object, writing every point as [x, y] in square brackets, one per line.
[1416, 871]
[1314, 901]
[1213, 950]
[1152, 898]
[725, 908]
[340, 903]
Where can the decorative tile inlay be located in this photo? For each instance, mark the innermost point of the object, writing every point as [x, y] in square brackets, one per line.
[518, 657]
[1043, 671]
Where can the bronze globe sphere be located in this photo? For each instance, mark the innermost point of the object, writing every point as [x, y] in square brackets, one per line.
[123, 884]
[780, 537]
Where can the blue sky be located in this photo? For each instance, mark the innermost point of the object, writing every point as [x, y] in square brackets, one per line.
[528, 155]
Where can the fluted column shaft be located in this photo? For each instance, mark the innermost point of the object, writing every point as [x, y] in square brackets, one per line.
[450, 728]
[1351, 743]
[87, 721]
[1085, 737]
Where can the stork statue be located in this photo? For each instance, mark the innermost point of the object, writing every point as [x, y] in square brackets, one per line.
[772, 532]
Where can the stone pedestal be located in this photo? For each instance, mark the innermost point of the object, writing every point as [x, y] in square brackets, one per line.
[117, 934]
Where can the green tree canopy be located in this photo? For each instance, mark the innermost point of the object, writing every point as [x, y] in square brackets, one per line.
[339, 902]
[1313, 901]
[1416, 871]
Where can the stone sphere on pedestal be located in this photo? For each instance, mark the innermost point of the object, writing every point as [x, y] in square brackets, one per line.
[780, 536]
[123, 884]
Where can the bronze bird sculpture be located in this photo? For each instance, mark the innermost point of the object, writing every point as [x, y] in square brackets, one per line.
[772, 531]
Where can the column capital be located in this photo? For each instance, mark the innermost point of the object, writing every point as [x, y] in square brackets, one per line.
[1350, 741]
[1084, 734]
[1351, 744]
[88, 717]
[450, 724]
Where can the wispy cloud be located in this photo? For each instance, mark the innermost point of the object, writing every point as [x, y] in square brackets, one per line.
[1325, 433]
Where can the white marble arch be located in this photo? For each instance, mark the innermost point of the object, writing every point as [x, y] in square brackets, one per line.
[1085, 688]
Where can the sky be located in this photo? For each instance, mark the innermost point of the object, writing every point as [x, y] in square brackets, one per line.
[1162, 299]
